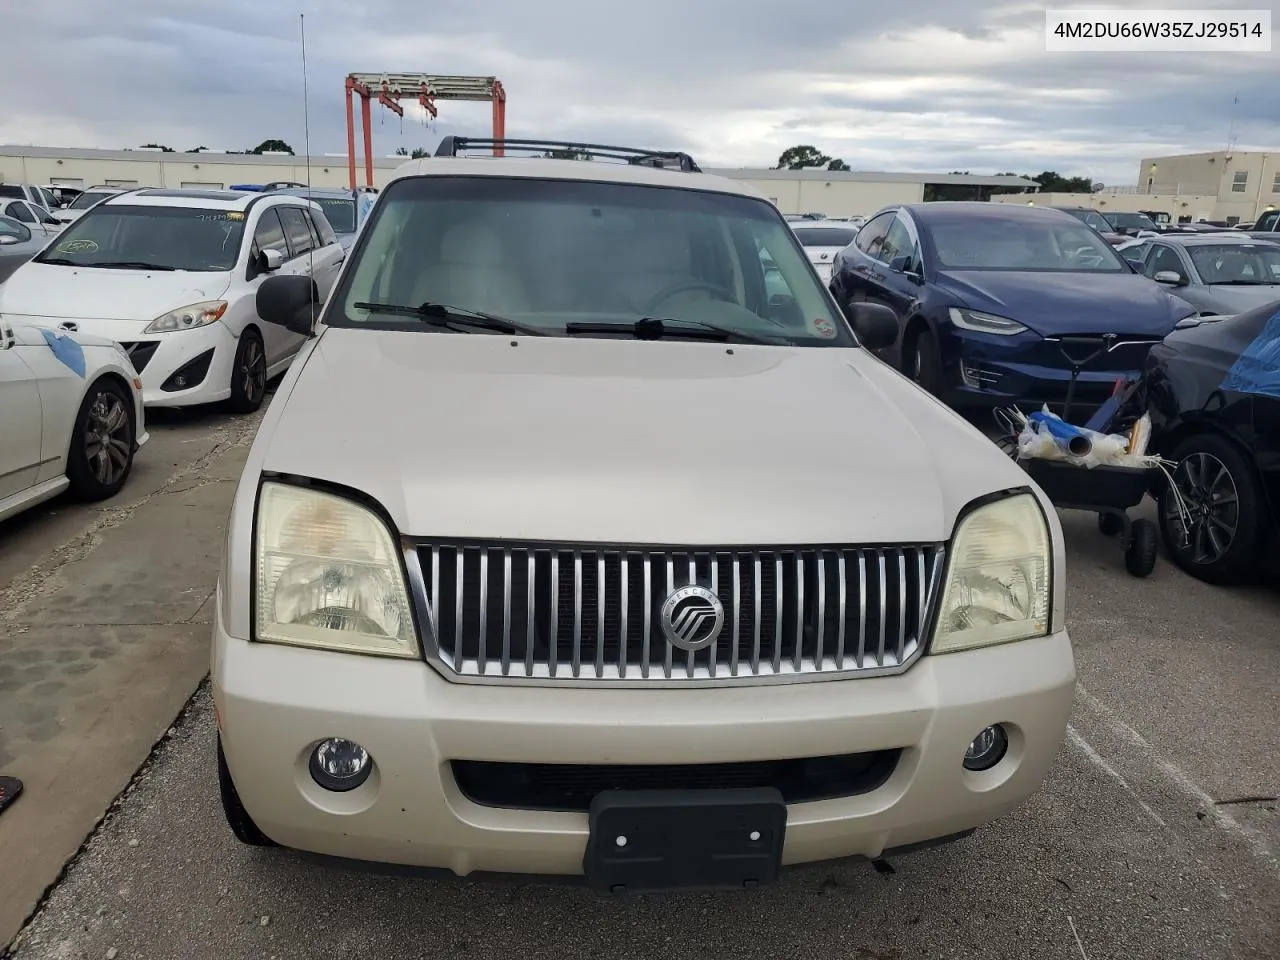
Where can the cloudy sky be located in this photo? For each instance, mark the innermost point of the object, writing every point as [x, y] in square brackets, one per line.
[922, 85]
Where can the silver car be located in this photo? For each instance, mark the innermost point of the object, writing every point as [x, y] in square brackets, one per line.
[18, 244]
[1215, 273]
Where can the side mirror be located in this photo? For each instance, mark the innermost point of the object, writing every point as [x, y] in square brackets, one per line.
[1171, 277]
[875, 325]
[272, 260]
[899, 264]
[291, 302]
[6, 240]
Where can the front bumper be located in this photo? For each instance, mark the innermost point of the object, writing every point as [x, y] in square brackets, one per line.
[274, 703]
[173, 351]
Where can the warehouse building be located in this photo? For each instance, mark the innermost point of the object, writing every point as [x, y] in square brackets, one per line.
[830, 192]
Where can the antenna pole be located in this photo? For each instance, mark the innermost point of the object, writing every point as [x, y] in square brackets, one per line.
[306, 112]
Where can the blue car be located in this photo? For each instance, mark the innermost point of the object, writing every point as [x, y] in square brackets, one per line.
[996, 303]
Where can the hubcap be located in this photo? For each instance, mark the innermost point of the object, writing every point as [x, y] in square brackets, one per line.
[108, 438]
[253, 371]
[1212, 508]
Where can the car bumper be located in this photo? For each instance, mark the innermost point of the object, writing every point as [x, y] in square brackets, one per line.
[274, 703]
[174, 351]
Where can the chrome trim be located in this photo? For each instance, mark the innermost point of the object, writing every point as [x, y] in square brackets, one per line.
[792, 601]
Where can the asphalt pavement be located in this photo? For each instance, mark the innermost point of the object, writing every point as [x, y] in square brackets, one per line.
[1156, 834]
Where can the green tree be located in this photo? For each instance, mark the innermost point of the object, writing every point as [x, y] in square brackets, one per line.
[837, 165]
[200, 149]
[157, 146]
[567, 155]
[416, 154]
[802, 157]
[272, 146]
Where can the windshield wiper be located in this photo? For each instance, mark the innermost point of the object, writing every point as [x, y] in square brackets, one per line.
[1244, 283]
[442, 314]
[656, 328]
[59, 261]
[128, 265]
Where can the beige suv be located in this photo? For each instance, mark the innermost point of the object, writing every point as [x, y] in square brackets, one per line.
[570, 545]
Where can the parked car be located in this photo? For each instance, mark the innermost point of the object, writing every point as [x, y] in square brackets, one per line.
[437, 612]
[1092, 218]
[88, 199]
[18, 244]
[172, 275]
[40, 196]
[1213, 391]
[1215, 273]
[62, 194]
[822, 241]
[1131, 224]
[1266, 227]
[72, 411]
[985, 292]
[37, 218]
[344, 209]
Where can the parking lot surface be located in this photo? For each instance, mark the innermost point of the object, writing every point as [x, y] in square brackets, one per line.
[1156, 835]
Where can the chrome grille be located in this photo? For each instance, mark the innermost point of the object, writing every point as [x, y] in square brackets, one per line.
[586, 613]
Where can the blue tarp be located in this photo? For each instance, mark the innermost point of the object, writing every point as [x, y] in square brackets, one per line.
[1257, 369]
[67, 350]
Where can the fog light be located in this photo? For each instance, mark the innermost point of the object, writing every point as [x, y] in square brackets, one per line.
[987, 749]
[340, 765]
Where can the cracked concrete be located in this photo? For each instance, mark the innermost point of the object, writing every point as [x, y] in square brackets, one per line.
[104, 637]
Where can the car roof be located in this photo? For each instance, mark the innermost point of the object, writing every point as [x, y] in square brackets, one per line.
[545, 168]
[967, 211]
[343, 192]
[201, 199]
[1209, 239]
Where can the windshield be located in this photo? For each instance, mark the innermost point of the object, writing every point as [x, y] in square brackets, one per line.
[825, 236]
[549, 252]
[1061, 246]
[1243, 263]
[167, 238]
[87, 200]
[340, 211]
[1132, 221]
[1091, 218]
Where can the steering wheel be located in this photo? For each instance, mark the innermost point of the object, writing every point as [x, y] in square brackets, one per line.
[685, 286]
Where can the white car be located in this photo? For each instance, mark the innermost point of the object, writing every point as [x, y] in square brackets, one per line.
[86, 201]
[172, 276]
[38, 220]
[70, 416]
[822, 241]
[568, 549]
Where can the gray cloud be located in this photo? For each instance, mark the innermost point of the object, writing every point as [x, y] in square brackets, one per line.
[921, 85]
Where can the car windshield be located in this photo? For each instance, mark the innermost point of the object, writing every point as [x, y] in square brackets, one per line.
[1092, 219]
[166, 238]
[340, 211]
[88, 199]
[546, 253]
[1242, 263]
[1064, 245]
[825, 236]
[1132, 221]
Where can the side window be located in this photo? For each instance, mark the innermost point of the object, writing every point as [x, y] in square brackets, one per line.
[898, 243]
[1137, 254]
[871, 237]
[1164, 258]
[269, 234]
[323, 228]
[1268, 221]
[50, 201]
[296, 229]
[20, 211]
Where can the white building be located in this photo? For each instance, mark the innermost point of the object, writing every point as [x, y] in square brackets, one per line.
[830, 192]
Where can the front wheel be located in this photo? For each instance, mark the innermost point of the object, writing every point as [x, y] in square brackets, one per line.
[248, 373]
[924, 362]
[101, 454]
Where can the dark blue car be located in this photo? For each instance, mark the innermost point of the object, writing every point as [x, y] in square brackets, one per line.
[996, 302]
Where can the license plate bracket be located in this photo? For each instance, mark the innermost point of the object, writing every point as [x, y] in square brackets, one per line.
[684, 839]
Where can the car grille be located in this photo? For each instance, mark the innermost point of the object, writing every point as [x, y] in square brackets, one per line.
[141, 352]
[591, 614]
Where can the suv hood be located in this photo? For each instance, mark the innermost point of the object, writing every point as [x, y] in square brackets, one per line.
[582, 440]
[84, 293]
[1053, 304]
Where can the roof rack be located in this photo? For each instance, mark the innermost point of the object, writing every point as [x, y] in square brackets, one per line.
[662, 159]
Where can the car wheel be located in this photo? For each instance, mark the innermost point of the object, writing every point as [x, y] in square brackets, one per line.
[248, 373]
[1213, 513]
[924, 362]
[238, 819]
[1140, 554]
[101, 453]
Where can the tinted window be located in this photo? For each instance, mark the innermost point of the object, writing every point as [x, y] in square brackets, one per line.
[871, 236]
[549, 252]
[11, 190]
[340, 212]
[825, 236]
[1131, 221]
[1268, 221]
[88, 199]
[1164, 258]
[296, 229]
[1237, 263]
[50, 200]
[173, 238]
[324, 230]
[1136, 254]
[1060, 245]
[19, 211]
[269, 234]
[897, 243]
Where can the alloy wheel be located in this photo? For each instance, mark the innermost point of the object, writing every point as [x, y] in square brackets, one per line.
[1212, 505]
[253, 370]
[108, 438]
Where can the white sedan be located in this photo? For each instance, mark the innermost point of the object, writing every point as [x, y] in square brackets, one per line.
[70, 416]
[822, 242]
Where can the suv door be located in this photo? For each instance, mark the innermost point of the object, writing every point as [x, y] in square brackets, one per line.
[268, 234]
[851, 273]
[302, 242]
[329, 254]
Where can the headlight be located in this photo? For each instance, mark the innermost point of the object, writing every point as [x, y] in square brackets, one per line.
[328, 575]
[188, 318]
[997, 588]
[984, 322]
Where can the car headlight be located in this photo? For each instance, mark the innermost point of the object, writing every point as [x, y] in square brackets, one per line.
[328, 575]
[998, 577]
[984, 322]
[189, 317]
